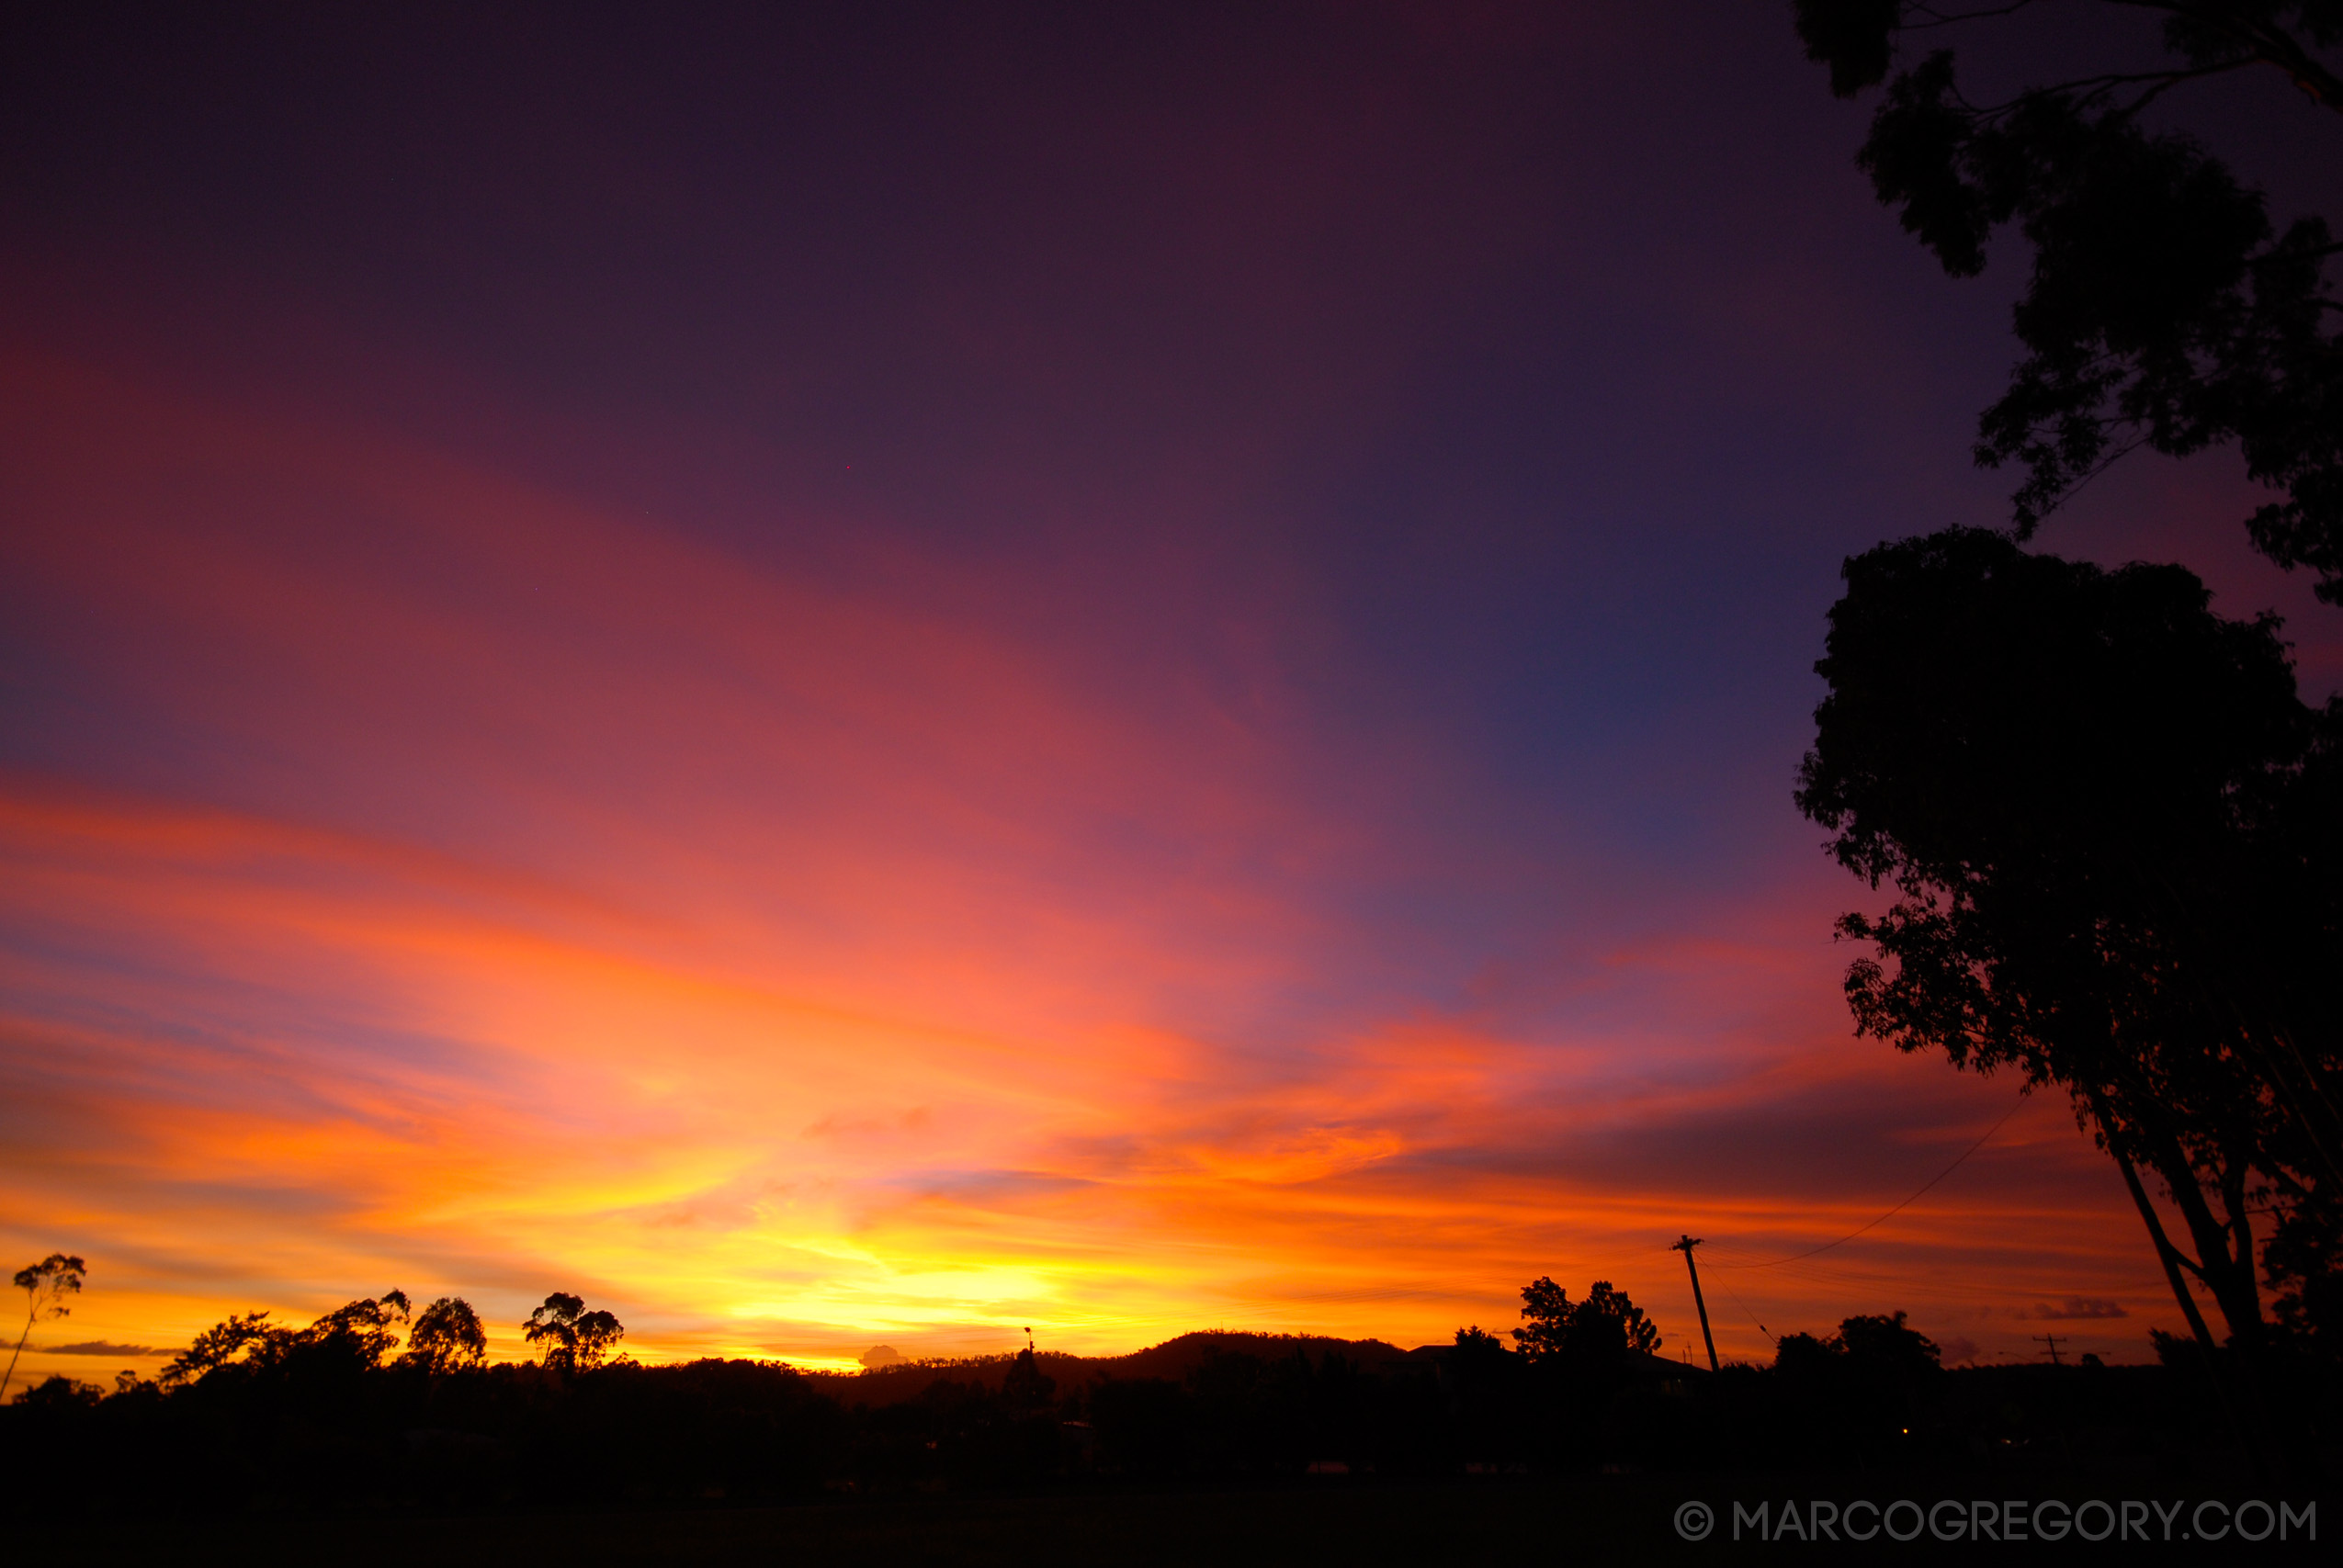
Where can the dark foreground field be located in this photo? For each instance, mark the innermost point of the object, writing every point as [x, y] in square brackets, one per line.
[1210, 1449]
[1513, 1523]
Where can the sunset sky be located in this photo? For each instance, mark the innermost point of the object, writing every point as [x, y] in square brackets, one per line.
[869, 674]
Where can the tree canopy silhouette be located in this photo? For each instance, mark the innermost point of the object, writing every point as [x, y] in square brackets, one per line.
[1877, 1374]
[364, 1331]
[46, 1284]
[446, 1336]
[574, 1338]
[1606, 1327]
[2165, 308]
[351, 1338]
[2112, 828]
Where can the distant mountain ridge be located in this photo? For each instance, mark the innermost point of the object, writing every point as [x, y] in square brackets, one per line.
[1174, 1361]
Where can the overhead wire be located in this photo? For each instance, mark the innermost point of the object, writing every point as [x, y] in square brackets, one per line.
[1925, 1188]
[1772, 1338]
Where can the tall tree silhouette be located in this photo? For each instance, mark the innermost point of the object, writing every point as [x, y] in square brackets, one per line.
[1603, 1327]
[574, 1338]
[351, 1338]
[223, 1343]
[46, 1284]
[2111, 827]
[364, 1331]
[446, 1336]
[2165, 308]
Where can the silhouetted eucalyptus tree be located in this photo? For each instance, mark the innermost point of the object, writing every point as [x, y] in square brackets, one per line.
[2165, 308]
[2111, 827]
[223, 1343]
[447, 1337]
[46, 1284]
[574, 1338]
[364, 1332]
[1604, 1327]
[351, 1338]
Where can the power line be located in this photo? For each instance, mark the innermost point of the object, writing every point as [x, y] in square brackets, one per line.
[1772, 1338]
[1825, 1246]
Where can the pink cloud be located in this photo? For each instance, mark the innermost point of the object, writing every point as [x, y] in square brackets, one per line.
[532, 899]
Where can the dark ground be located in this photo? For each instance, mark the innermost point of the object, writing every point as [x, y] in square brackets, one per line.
[1203, 1450]
[1503, 1521]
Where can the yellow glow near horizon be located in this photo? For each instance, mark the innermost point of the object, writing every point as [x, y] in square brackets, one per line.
[789, 968]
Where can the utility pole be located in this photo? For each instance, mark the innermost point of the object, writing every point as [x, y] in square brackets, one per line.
[1685, 1245]
[2051, 1340]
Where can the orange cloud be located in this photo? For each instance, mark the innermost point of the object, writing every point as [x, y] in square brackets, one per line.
[456, 886]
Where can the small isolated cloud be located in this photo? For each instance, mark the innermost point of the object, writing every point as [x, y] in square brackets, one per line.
[98, 1348]
[882, 1356]
[2079, 1307]
[1958, 1352]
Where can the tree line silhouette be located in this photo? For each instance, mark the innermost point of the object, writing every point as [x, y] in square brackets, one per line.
[349, 1411]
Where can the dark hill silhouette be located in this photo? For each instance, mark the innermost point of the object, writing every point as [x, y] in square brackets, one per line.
[1175, 1359]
